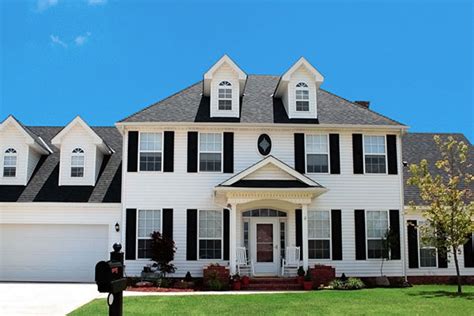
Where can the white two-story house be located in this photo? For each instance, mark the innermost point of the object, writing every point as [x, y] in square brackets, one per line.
[264, 163]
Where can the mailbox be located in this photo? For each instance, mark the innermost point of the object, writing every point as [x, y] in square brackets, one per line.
[109, 277]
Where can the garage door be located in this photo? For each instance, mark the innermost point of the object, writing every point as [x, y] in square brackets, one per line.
[58, 253]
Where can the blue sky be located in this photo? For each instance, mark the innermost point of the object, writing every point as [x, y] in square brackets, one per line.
[106, 59]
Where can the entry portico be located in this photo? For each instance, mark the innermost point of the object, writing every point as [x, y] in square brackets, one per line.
[263, 201]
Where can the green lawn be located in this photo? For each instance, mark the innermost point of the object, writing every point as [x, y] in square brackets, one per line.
[418, 300]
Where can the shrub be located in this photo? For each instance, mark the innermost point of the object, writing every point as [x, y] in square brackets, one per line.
[301, 271]
[162, 252]
[213, 282]
[350, 284]
[188, 277]
[308, 277]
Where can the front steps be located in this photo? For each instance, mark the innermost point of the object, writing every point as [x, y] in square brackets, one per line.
[273, 284]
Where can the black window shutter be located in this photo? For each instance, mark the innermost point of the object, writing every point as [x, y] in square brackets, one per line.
[226, 219]
[412, 244]
[334, 153]
[395, 227]
[228, 152]
[469, 253]
[130, 234]
[392, 154]
[300, 164]
[168, 152]
[359, 220]
[299, 231]
[191, 235]
[192, 151]
[442, 253]
[336, 237]
[357, 154]
[132, 154]
[168, 223]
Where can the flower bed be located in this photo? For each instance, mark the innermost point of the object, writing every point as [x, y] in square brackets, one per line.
[156, 289]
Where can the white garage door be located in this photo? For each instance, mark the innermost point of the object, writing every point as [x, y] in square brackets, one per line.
[57, 253]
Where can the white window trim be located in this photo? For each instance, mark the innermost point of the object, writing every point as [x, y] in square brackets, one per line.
[73, 154]
[5, 154]
[149, 151]
[306, 153]
[418, 236]
[231, 87]
[296, 99]
[221, 152]
[330, 237]
[221, 238]
[363, 155]
[144, 238]
[371, 238]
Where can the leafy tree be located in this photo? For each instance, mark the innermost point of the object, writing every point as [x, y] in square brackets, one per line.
[390, 240]
[448, 209]
[162, 252]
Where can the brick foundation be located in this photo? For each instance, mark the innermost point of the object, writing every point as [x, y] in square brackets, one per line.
[440, 279]
[322, 275]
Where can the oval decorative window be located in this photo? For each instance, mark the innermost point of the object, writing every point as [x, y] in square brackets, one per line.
[264, 144]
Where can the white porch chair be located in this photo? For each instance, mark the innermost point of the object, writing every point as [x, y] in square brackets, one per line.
[291, 262]
[243, 264]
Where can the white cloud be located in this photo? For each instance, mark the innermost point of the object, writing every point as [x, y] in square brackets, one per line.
[82, 39]
[96, 2]
[57, 41]
[42, 5]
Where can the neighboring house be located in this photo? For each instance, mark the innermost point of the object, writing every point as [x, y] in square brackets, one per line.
[235, 160]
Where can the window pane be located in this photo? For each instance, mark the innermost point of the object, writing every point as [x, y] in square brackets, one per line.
[375, 248]
[77, 172]
[9, 171]
[144, 248]
[210, 224]
[374, 164]
[225, 104]
[77, 161]
[210, 249]
[317, 163]
[210, 162]
[150, 161]
[302, 105]
[317, 144]
[377, 224]
[374, 144]
[318, 224]
[319, 249]
[428, 257]
[210, 142]
[9, 161]
[149, 221]
[150, 141]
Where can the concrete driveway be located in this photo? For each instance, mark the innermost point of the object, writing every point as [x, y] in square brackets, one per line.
[44, 298]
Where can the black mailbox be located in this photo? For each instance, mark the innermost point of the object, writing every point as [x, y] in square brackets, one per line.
[109, 277]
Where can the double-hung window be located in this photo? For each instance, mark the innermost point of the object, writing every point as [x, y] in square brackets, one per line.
[319, 235]
[375, 154]
[149, 221]
[210, 234]
[317, 153]
[225, 96]
[377, 226]
[150, 151]
[210, 152]
[302, 97]
[9, 163]
[428, 253]
[77, 163]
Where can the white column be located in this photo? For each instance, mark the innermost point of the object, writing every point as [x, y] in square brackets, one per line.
[305, 235]
[233, 238]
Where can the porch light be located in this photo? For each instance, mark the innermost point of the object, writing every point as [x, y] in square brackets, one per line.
[117, 227]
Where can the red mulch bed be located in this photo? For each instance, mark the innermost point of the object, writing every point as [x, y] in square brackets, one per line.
[156, 289]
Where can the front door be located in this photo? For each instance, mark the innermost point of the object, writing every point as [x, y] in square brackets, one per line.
[265, 248]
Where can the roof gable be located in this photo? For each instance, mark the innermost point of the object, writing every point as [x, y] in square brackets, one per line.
[31, 138]
[224, 60]
[301, 64]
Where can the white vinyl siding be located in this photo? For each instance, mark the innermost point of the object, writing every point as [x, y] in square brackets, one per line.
[375, 156]
[150, 156]
[319, 235]
[148, 222]
[317, 153]
[210, 232]
[377, 226]
[210, 152]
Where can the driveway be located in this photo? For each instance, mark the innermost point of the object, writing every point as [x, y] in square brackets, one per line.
[44, 298]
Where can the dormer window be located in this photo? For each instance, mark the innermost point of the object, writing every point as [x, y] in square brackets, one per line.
[225, 96]
[77, 163]
[302, 97]
[9, 163]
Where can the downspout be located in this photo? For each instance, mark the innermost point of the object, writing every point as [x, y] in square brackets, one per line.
[402, 200]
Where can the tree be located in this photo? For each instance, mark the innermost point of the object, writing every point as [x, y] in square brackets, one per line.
[162, 252]
[390, 240]
[448, 209]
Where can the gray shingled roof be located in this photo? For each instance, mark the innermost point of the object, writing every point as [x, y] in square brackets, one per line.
[419, 146]
[43, 185]
[257, 106]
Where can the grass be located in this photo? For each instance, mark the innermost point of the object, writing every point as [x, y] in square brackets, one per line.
[419, 300]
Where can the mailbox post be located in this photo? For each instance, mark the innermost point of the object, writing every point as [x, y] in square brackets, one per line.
[109, 279]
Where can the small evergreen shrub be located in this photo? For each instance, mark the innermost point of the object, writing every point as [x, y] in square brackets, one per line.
[349, 284]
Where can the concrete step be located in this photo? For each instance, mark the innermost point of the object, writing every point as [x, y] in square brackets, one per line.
[273, 280]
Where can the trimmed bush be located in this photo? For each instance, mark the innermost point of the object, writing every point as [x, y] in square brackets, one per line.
[350, 284]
